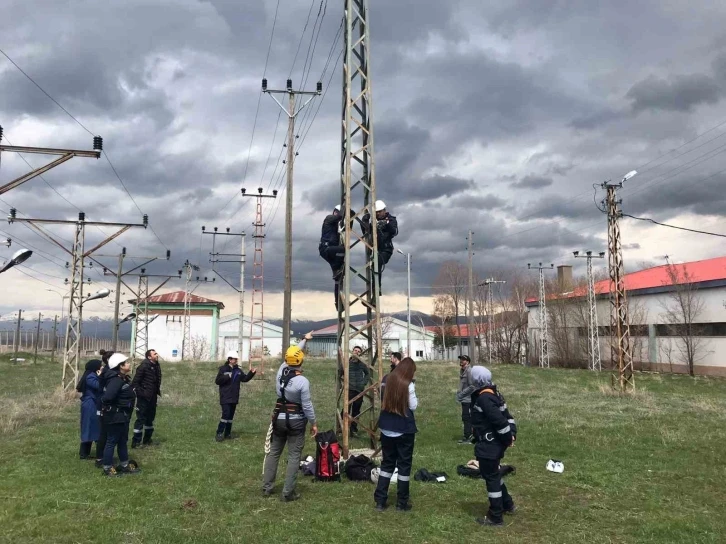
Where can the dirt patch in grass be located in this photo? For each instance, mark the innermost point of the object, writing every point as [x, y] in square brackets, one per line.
[15, 413]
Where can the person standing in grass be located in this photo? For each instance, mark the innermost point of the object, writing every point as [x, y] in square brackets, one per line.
[118, 405]
[229, 378]
[293, 410]
[90, 390]
[147, 386]
[359, 376]
[463, 396]
[494, 431]
[102, 379]
[395, 361]
[398, 432]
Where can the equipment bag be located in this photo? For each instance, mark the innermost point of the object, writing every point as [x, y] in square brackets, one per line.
[327, 457]
[359, 467]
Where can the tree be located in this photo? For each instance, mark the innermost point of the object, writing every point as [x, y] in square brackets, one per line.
[443, 313]
[452, 283]
[682, 311]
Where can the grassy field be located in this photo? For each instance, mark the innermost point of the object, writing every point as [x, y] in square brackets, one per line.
[647, 468]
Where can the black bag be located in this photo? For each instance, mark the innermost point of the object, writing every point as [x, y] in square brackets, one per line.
[327, 457]
[358, 468]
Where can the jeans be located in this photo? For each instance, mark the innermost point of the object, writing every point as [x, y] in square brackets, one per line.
[118, 436]
[397, 452]
[499, 498]
[466, 418]
[145, 415]
[295, 440]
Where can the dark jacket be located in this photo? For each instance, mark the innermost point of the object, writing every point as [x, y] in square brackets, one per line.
[387, 231]
[359, 376]
[229, 379]
[494, 427]
[90, 405]
[147, 380]
[401, 424]
[329, 235]
[118, 398]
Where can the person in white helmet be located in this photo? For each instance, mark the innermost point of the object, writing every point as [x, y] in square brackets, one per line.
[229, 378]
[387, 227]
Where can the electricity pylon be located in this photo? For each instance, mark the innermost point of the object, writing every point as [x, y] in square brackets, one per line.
[544, 351]
[490, 312]
[593, 335]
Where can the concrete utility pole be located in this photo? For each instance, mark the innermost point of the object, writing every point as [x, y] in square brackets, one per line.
[408, 302]
[54, 340]
[593, 344]
[37, 338]
[360, 282]
[544, 352]
[490, 314]
[117, 302]
[186, 326]
[291, 154]
[620, 353]
[17, 336]
[472, 338]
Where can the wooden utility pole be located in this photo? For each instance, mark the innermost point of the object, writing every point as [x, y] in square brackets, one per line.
[472, 339]
[54, 340]
[37, 339]
[17, 336]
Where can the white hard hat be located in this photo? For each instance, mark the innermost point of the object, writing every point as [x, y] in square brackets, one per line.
[337, 208]
[380, 205]
[232, 355]
[116, 359]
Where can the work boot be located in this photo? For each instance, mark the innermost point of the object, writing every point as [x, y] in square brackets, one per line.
[127, 469]
[488, 522]
[135, 443]
[291, 497]
[228, 430]
[465, 440]
[511, 510]
[147, 437]
[110, 472]
[99, 463]
[381, 507]
[219, 437]
[404, 507]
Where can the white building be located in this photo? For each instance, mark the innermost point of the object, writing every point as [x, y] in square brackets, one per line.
[165, 330]
[657, 339]
[229, 337]
[325, 341]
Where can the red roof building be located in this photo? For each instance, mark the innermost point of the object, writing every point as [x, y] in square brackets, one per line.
[177, 297]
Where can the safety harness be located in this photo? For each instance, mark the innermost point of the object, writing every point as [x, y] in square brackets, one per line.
[282, 405]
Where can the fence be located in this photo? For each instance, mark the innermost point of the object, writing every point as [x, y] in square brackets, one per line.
[46, 344]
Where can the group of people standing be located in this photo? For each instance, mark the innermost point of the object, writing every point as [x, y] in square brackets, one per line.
[108, 399]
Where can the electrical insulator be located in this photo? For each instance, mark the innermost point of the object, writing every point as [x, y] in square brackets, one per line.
[284, 161]
[180, 273]
[296, 153]
[143, 271]
[289, 84]
[81, 216]
[97, 143]
[168, 254]
[13, 213]
[259, 190]
[274, 192]
[146, 220]
[123, 251]
[264, 85]
[205, 228]
[1, 132]
[215, 229]
[320, 87]
[228, 229]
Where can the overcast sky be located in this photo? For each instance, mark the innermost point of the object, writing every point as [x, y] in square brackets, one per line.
[490, 116]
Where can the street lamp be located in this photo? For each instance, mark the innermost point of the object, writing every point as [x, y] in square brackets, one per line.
[408, 302]
[103, 293]
[63, 297]
[127, 318]
[18, 257]
[629, 175]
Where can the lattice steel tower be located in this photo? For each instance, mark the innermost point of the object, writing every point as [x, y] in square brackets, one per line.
[544, 350]
[593, 335]
[361, 284]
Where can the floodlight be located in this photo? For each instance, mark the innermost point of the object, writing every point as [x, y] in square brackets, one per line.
[18, 257]
[103, 293]
[629, 175]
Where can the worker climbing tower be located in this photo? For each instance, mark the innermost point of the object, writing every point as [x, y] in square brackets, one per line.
[359, 287]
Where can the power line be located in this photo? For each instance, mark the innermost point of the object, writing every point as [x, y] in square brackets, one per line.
[648, 219]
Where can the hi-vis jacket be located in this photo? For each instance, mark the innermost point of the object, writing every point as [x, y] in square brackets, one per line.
[494, 427]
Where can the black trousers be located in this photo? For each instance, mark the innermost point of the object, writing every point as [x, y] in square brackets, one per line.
[85, 450]
[118, 438]
[466, 418]
[225, 422]
[355, 408]
[145, 415]
[499, 498]
[101, 444]
[335, 257]
[397, 453]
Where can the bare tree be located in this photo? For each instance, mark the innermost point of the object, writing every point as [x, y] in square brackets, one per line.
[452, 282]
[443, 313]
[200, 347]
[682, 311]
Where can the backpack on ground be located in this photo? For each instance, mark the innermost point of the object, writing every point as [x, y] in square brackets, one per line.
[327, 457]
[359, 467]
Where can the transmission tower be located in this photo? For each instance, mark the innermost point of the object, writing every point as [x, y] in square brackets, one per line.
[257, 313]
[544, 352]
[593, 343]
[78, 254]
[361, 283]
[186, 327]
[621, 356]
[490, 312]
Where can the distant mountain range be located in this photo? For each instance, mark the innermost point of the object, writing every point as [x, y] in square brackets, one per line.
[300, 327]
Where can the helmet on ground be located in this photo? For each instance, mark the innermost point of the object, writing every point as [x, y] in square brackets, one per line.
[294, 356]
[232, 355]
[116, 359]
[380, 205]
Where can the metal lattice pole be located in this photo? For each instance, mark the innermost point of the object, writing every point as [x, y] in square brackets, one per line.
[593, 335]
[72, 348]
[186, 334]
[361, 281]
[490, 313]
[544, 352]
[257, 311]
[621, 356]
[141, 338]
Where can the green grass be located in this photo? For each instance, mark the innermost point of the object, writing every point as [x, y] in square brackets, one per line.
[646, 468]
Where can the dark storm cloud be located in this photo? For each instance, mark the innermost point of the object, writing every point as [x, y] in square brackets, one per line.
[681, 93]
[555, 206]
[485, 202]
[532, 182]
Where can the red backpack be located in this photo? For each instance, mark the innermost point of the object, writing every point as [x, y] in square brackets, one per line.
[327, 457]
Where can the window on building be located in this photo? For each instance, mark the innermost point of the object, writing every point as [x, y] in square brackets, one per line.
[697, 329]
[419, 353]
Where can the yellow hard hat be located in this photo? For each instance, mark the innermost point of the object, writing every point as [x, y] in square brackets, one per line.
[294, 356]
